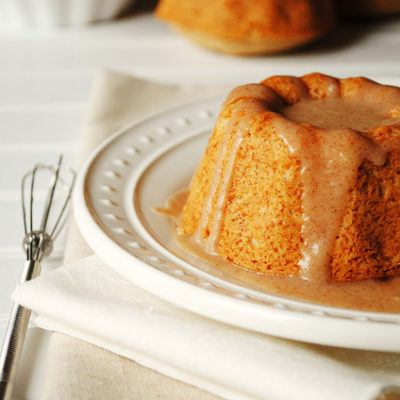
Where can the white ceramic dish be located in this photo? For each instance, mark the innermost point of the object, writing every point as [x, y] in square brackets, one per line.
[58, 13]
[137, 169]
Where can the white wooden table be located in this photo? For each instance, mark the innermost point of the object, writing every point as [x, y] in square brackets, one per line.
[45, 80]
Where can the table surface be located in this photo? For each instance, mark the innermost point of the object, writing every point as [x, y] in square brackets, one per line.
[45, 81]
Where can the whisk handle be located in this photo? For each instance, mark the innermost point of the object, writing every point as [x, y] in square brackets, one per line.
[14, 339]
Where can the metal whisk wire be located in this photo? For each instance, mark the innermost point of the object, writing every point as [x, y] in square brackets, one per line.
[38, 244]
[56, 179]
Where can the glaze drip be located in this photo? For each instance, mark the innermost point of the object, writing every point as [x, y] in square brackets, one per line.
[328, 171]
[263, 98]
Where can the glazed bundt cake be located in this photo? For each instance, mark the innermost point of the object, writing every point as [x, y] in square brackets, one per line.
[301, 176]
[248, 26]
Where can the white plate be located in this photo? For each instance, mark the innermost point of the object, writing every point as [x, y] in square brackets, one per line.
[137, 169]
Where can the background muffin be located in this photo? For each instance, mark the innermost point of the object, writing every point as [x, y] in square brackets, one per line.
[249, 27]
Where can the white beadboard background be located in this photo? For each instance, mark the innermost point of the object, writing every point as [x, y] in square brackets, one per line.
[45, 81]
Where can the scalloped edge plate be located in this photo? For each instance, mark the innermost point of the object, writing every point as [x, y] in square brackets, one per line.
[135, 170]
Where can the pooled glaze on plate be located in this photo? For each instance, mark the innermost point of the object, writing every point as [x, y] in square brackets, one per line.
[380, 295]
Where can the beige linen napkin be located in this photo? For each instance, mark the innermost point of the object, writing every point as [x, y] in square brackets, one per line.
[76, 369]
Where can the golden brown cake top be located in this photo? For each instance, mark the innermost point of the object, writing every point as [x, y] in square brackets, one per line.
[250, 19]
[326, 102]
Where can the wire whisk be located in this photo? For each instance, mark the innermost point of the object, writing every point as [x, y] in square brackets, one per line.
[37, 244]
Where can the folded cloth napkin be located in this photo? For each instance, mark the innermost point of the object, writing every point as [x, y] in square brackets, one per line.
[88, 300]
[92, 308]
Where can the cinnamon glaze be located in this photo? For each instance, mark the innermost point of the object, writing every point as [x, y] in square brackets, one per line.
[369, 295]
[337, 113]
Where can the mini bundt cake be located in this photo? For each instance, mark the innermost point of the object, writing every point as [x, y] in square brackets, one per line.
[249, 26]
[301, 176]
